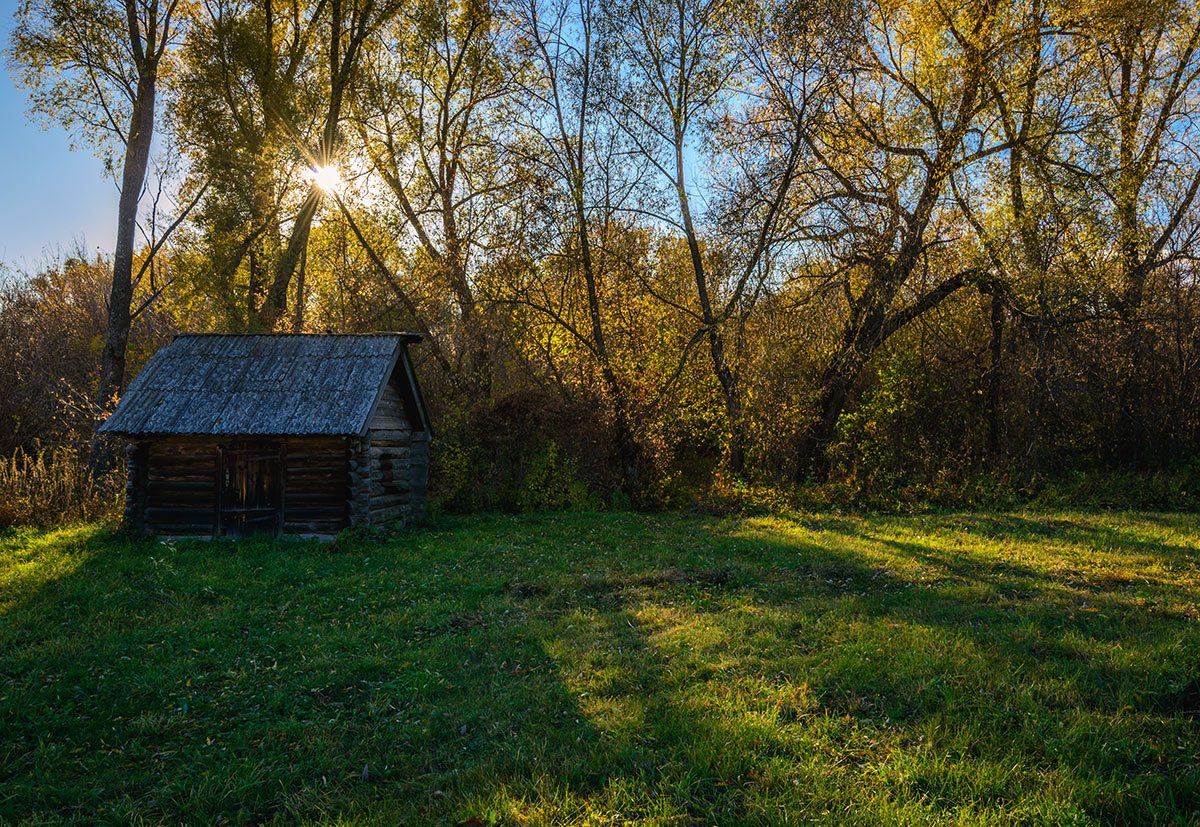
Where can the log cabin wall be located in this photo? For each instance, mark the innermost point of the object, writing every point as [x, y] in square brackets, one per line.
[181, 486]
[173, 485]
[419, 475]
[360, 482]
[136, 484]
[397, 463]
[316, 492]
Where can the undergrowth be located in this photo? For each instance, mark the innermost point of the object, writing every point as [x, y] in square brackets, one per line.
[54, 486]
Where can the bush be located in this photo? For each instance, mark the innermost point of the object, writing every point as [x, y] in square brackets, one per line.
[54, 486]
[528, 450]
[551, 483]
[1175, 489]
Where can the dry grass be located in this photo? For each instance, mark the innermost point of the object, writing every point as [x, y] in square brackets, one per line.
[55, 486]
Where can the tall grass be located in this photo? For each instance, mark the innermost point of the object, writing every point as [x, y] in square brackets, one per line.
[54, 486]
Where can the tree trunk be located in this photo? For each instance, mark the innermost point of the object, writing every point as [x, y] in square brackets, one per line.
[868, 329]
[1133, 443]
[254, 288]
[133, 176]
[725, 378]
[735, 456]
[342, 67]
[813, 464]
[629, 451]
[120, 300]
[478, 354]
[737, 433]
[996, 348]
[298, 315]
[276, 303]
[1039, 452]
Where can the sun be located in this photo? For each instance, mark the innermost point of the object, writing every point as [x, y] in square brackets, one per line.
[327, 178]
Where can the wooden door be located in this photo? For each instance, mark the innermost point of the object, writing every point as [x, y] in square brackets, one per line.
[251, 490]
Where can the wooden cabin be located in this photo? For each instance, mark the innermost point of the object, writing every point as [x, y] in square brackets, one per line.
[231, 435]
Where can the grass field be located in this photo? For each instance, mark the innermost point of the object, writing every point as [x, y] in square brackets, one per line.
[610, 668]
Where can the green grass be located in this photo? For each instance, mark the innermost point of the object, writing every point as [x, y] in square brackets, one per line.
[610, 668]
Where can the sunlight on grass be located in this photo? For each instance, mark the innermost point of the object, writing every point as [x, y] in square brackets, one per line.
[30, 559]
[601, 668]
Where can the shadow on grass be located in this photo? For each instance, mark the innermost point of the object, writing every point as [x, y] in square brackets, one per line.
[559, 668]
[1091, 533]
[1000, 661]
[200, 682]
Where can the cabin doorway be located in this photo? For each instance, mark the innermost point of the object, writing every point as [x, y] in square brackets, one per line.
[251, 490]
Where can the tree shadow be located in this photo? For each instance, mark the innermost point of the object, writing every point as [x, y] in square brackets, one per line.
[270, 681]
[548, 669]
[1048, 649]
[1067, 624]
[1087, 533]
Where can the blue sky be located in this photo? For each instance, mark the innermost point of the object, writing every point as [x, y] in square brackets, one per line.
[49, 195]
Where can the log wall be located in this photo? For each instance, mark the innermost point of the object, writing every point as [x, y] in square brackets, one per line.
[397, 464]
[173, 485]
[315, 485]
[136, 483]
[181, 486]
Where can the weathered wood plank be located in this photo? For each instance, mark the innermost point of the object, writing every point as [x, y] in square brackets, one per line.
[328, 458]
[314, 444]
[179, 515]
[184, 466]
[389, 452]
[297, 502]
[319, 478]
[162, 448]
[328, 481]
[309, 512]
[196, 504]
[382, 489]
[389, 502]
[387, 515]
[317, 484]
[401, 436]
[181, 486]
[157, 495]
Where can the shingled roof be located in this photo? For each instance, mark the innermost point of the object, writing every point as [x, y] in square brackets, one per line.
[266, 385]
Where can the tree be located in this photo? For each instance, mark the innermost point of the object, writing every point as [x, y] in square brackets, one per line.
[677, 72]
[1024, 204]
[347, 25]
[580, 166]
[436, 106]
[880, 204]
[94, 68]
[1096, 194]
[247, 78]
[1145, 62]
[51, 324]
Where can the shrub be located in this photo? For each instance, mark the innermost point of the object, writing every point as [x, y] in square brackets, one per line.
[551, 483]
[527, 450]
[55, 485]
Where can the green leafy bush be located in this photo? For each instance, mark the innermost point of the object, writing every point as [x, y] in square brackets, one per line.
[528, 450]
[551, 483]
